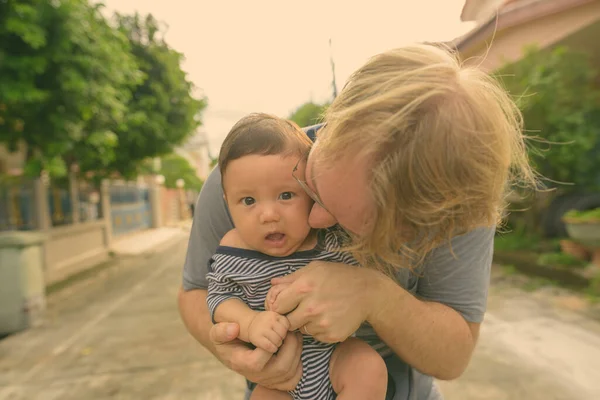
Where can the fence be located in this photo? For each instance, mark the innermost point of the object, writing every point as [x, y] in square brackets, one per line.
[60, 203]
[130, 208]
[17, 208]
[80, 220]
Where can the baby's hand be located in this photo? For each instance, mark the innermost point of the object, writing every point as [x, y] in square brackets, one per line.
[273, 293]
[267, 330]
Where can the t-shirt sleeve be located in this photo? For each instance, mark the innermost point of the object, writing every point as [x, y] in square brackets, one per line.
[459, 275]
[211, 222]
[220, 287]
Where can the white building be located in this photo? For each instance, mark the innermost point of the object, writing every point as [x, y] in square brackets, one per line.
[196, 150]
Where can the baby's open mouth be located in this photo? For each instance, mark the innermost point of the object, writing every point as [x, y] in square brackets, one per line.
[275, 237]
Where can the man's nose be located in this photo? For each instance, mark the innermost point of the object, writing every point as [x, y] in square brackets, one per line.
[320, 218]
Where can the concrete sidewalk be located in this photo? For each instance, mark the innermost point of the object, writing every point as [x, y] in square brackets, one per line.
[148, 240]
[117, 335]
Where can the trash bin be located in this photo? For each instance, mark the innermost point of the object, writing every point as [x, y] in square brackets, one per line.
[22, 284]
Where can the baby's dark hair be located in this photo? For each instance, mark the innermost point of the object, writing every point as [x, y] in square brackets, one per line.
[263, 134]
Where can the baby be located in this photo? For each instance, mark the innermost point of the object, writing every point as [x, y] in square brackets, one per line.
[272, 238]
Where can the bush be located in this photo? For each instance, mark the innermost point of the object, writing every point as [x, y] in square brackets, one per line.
[557, 92]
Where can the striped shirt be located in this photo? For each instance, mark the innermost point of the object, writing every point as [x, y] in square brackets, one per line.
[246, 275]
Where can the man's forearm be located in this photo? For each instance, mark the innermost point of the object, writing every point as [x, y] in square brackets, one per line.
[431, 337]
[196, 316]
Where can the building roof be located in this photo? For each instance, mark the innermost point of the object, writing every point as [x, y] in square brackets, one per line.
[512, 13]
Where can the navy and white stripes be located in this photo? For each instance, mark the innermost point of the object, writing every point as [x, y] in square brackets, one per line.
[247, 274]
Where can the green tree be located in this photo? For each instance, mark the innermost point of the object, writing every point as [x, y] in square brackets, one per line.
[162, 112]
[174, 167]
[308, 114]
[559, 96]
[65, 80]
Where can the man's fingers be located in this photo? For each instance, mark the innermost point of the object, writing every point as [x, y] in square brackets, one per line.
[297, 376]
[296, 370]
[258, 359]
[266, 343]
[290, 351]
[297, 319]
[287, 300]
[273, 294]
[224, 332]
[287, 363]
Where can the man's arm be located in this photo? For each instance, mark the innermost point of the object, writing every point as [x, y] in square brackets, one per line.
[196, 317]
[431, 337]
[436, 331]
[211, 222]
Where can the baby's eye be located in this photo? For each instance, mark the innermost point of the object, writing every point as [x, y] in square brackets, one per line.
[248, 201]
[286, 195]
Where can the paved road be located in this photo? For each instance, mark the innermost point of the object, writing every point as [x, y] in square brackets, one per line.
[118, 336]
[533, 346]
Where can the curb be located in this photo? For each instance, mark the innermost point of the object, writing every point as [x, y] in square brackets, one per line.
[572, 278]
[114, 261]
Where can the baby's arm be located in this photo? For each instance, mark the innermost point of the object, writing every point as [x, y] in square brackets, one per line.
[265, 329]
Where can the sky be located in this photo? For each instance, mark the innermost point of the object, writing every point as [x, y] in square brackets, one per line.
[272, 56]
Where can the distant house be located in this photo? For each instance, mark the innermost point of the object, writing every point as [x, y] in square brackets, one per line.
[505, 27]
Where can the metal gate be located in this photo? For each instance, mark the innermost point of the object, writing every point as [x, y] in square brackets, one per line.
[130, 208]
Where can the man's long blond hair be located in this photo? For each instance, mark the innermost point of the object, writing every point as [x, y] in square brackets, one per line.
[447, 146]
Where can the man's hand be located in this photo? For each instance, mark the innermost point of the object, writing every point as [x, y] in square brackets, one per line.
[280, 372]
[273, 293]
[267, 330]
[330, 299]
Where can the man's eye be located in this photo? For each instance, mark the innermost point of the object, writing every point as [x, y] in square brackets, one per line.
[286, 195]
[248, 201]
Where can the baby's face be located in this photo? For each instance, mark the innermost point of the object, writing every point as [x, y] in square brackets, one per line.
[268, 206]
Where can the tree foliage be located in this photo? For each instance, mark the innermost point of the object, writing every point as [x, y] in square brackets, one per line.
[559, 96]
[174, 167]
[162, 112]
[79, 90]
[308, 114]
[65, 79]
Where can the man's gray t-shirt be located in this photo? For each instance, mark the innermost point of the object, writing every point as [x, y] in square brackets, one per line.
[457, 276]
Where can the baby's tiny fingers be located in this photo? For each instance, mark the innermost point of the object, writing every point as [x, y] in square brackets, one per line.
[267, 344]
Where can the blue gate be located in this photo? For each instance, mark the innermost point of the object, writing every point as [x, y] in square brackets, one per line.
[130, 209]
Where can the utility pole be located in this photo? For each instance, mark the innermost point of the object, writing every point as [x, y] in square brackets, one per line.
[334, 86]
